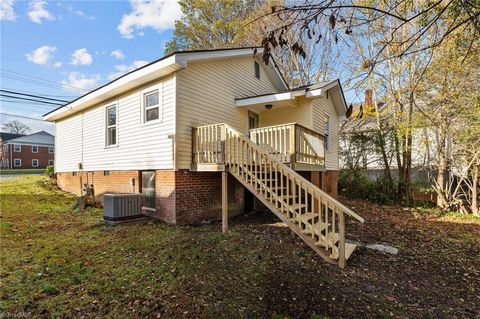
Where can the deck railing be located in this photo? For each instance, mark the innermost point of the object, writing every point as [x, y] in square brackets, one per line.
[291, 143]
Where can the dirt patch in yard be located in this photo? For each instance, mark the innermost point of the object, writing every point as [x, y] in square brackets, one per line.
[60, 263]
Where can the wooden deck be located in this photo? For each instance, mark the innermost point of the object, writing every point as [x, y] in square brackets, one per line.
[300, 148]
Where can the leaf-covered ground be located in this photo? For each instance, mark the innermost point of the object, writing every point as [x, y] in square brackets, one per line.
[61, 263]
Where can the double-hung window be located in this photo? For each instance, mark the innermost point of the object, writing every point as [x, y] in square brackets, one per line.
[34, 162]
[50, 162]
[17, 148]
[111, 125]
[34, 149]
[50, 150]
[17, 162]
[151, 102]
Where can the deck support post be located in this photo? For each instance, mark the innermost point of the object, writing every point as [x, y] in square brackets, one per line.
[224, 202]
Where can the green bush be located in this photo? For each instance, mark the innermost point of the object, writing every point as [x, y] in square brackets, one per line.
[50, 172]
[354, 184]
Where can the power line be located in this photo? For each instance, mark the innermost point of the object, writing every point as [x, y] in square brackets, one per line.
[47, 95]
[42, 79]
[32, 95]
[23, 117]
[27, 99]
[23, 104]
[39, 83]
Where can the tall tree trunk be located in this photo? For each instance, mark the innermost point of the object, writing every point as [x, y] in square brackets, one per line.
[442, 166]
[475, 204]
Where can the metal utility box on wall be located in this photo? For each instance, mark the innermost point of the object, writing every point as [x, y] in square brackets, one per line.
[122, 207]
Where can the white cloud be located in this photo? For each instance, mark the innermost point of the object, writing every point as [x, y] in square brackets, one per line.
[77, 80]
[77, 12]
[157, 14]
[123, 68]
[81, 57]
[37, 12]
[58, 64]
[117, 54]
[41, 55]
[6, 10]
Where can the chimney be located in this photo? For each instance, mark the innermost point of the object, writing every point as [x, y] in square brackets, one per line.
[368, 98]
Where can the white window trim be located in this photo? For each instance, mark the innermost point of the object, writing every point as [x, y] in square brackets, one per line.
[15, 160]
[33, 147]
[51, 150]
[20, 148]
[159, 88]
[105, 122]
[38, 163]
[51, 161]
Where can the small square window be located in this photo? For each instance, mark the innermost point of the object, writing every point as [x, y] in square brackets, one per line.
[152, 106]
[50, 162]
[17, 162]
[106, 173]
[34, 149]
[50, 150]
[257, 70]
[17, 148]
[34, 162]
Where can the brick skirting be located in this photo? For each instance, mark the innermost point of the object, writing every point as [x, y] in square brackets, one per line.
[182, 197]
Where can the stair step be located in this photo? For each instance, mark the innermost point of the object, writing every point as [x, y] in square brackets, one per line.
[304, 218]
[316, 228]
[331, 239]
[349, 248]
[293, 208]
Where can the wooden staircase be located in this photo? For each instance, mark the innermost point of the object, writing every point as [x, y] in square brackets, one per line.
[316, 217]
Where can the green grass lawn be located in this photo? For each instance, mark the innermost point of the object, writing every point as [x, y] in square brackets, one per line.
[22, 171]
[61, 263]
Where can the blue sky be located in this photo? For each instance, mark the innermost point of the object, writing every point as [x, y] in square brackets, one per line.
[65, 48]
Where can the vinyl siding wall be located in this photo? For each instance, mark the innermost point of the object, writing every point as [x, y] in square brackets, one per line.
[322, 107]
[301, 115]
[206, 93]
[81, 137]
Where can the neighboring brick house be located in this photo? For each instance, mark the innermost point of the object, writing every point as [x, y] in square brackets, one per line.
[139, 127]
[34, 150]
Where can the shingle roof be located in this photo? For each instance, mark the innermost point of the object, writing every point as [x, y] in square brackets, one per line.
[4, 136]
[41, 137]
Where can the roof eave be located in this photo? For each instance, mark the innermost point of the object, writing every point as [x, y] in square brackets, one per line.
[150, 72]
[128, 82]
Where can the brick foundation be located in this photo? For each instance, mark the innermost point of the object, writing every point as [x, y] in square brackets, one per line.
[110, 182]
[199, 196]
[182, 197]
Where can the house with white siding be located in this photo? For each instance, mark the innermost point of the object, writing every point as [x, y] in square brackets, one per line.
[204, 134]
